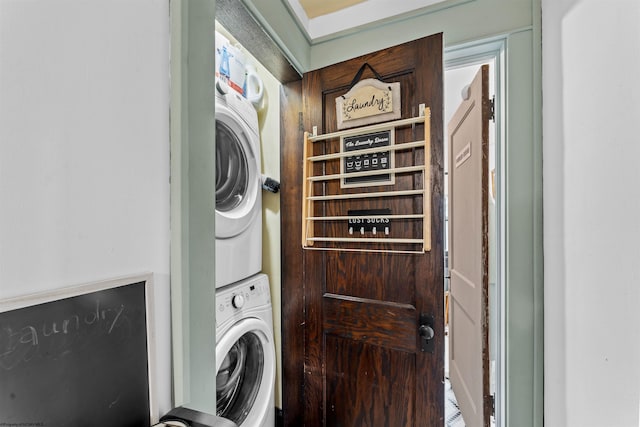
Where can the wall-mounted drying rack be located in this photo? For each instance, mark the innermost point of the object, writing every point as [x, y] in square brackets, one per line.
[374, 199]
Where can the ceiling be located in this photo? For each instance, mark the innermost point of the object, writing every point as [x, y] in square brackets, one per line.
[315, 8]
[321, 19]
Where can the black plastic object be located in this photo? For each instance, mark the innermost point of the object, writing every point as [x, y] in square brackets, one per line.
[190, 417]
[358, 75]
[270, 184]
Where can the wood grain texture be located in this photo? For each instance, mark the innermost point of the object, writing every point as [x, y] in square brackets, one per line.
[343, 365]
[429, 297]
[358, 342]
[291, 252]
[365, 386]
[486, 356]
[374, 322]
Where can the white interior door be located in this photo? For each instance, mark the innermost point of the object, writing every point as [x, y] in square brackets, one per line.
[468, 146]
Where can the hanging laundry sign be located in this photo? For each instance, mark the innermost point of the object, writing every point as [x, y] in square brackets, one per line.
[367, 102]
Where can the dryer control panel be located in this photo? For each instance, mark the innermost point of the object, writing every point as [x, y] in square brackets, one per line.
[236, 299]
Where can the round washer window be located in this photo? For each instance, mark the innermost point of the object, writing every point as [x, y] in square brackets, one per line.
[238, 378]
[232, 171]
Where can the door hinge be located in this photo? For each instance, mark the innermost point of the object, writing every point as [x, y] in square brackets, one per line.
[492, 109]
[492, 404]
[300, 122]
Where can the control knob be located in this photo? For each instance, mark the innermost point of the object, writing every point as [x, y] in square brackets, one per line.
[237, 301]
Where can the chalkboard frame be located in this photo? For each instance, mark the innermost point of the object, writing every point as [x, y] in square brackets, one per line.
[30, 300]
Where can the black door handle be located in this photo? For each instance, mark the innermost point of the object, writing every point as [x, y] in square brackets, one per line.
[426, 332]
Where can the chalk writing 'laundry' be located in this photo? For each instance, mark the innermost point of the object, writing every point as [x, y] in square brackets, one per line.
[21, 343]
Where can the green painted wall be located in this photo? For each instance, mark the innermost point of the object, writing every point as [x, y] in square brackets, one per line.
[472, 20]
[193, 203]
[274, 17]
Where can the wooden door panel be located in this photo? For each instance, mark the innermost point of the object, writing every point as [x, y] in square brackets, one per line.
[374, 322]
[362, 364]
[363, 275]
[364, 381]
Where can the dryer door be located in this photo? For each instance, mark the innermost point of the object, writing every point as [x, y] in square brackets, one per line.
[237, 174]
[245, 366]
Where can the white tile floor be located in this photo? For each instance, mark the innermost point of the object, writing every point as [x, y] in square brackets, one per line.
[452, 415]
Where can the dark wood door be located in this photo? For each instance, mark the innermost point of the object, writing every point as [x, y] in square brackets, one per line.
[351, 345]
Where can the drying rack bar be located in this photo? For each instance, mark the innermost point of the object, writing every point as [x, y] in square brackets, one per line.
[366, 195]
[395, 147]
[364, 240]
[362, 250]
[370, 128]
[366, 173]
[348, 217]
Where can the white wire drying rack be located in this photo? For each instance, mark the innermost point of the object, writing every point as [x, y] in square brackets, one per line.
[326, 204]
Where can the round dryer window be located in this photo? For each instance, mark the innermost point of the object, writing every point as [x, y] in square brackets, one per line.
[237, 175]
[232, 173]
[245, 374]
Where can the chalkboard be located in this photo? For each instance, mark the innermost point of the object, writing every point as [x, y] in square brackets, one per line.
[82, 360]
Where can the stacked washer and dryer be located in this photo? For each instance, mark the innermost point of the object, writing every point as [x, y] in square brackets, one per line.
[245, 351]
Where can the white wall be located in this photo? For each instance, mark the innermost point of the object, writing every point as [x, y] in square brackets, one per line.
[84, 148]
[591, 109]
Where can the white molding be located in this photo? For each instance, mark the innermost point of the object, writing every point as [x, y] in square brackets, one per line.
[361, 15]
[476, 53]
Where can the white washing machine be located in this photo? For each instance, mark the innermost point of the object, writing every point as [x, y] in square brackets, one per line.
[238, 188]
[245, 354]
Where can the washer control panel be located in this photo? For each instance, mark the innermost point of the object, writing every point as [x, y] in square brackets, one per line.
[234, 300]
[237, 301]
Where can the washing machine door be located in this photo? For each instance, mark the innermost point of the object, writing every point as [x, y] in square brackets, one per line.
[245, 366]
[237, 174]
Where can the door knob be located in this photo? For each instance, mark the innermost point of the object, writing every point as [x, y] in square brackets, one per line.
[426, 332]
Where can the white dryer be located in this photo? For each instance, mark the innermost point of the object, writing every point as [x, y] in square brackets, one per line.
[238, 188]
[245, 354]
